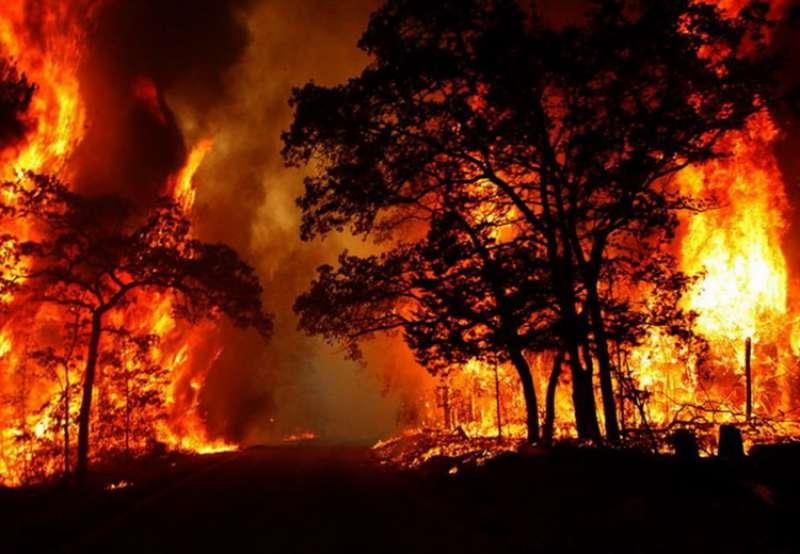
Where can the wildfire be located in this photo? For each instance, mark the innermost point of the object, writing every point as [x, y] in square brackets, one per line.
[45, 41]
[738, 245]
[742, 295]
[736, 249]
[49, 55]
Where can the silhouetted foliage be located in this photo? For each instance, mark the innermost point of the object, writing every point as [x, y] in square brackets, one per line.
[61, 361]
[139, 386]
[571, 135]
[93, 255]
[16, 94]
[457, 295]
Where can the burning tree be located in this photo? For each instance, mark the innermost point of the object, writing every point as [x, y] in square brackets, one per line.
[557, 147]
[96, 256]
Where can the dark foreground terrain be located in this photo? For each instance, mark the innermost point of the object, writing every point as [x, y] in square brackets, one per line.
[339, 499]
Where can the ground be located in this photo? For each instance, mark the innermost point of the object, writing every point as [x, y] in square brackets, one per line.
[340, 499]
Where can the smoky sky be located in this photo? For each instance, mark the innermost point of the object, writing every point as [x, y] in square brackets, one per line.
[132, 145]
[159, 76]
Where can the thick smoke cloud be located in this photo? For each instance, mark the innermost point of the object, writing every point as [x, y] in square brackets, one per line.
[136, 51]
[291, 43]
[161, 76]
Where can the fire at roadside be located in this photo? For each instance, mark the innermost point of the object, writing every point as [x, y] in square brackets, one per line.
[741, 372]
[151, 365]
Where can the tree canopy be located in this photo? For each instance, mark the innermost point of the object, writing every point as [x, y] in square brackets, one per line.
[556, 147]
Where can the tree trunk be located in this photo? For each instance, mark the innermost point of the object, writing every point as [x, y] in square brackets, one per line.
[86, 400]
[582, 387]
[66, 421]
[497, 402]
[444, 402]
[573, 335]
[509, 333]
[529, 393]
[605, 369]
[583, 399]
[127, 414]
[550, 400]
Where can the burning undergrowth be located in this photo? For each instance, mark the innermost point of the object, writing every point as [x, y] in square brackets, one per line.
[111, 114]
[415, 449]
[516, 270]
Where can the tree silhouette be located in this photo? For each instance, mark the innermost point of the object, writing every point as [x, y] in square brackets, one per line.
[458, 294]
[93, 255]
[575, 133]
[16, 94]
[60, 363]
[638, 97]
[131, 401]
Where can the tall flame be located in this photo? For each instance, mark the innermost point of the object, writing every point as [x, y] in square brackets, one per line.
[48, 51]
[45, 46]
[44, 40]
[184, 187]
[738, 245]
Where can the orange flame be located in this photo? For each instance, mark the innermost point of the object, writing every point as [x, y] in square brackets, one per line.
[57, 110]
[45, 42]
[183, 186]
[742, 293]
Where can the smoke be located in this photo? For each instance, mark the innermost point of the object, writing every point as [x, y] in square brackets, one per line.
[136, 52]
[312, 387]
[786, 40]
[161, 76]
